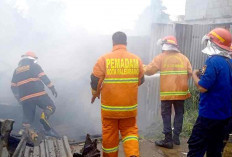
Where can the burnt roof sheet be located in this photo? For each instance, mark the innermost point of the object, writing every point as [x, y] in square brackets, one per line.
[47, 148]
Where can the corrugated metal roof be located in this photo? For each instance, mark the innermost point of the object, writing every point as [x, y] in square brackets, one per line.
[50, 147]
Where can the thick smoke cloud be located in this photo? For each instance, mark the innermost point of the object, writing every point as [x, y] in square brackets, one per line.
[66, 54]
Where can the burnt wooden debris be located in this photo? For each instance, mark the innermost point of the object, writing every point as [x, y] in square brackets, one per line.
[89, 149]
[6, 127]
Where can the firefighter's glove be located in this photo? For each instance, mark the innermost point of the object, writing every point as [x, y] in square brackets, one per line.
[94, 95]
[54, 92]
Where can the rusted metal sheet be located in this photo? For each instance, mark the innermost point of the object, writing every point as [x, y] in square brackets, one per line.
[50, 147]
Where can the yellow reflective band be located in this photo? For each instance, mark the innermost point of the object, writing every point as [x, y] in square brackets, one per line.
[110, 150]
[173, 93]
[128, 138]
[121, 80]
[119, 108]
[171, 41]
[174, 72]
[218, 36]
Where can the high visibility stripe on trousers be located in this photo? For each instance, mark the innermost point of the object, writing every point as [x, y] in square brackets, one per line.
[184, 72]
[109, 150]
[174, 93]
[130, 138]
[121, 80]
[119, 108]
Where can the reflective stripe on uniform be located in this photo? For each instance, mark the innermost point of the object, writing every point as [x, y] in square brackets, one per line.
[121, 80]
[41, 74]
[131, 137]
[174, 72]
[32, 95]
[27, 81]
[173, 93]
[119, 108]
[109, 150]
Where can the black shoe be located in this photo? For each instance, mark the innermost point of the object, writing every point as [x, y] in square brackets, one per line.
[176, 139]
[164, 143]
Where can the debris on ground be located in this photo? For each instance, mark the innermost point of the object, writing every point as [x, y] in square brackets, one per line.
[6, 127]
[89, 149]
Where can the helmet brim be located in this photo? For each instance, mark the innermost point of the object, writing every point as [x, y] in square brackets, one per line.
[224, 47]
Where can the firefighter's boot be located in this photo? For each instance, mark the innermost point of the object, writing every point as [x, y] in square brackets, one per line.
[176, 139]
[166, 143]
[44, 121]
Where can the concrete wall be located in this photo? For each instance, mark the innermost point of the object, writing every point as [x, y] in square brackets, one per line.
[208, 9]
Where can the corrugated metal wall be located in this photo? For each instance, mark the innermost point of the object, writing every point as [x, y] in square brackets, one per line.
[189, 40]
[149, 92]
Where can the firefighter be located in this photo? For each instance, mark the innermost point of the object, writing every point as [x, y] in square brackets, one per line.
[28, 88]
[215, 86]
[175, 70]
[116, 76]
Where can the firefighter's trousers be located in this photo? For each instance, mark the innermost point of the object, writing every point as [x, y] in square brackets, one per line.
[110, 136]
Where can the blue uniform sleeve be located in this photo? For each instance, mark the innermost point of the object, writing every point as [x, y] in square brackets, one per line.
[209, 76]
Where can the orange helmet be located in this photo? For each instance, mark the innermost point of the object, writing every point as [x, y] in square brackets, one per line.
[221, 37]
[30, 54]
[170, 40]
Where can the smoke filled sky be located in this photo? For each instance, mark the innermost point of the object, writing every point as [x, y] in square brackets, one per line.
[104, 16]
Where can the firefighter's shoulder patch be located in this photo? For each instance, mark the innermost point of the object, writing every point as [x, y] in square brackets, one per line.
[204, 69]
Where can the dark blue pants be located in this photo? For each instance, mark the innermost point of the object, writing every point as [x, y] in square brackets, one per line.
[166, 111]
[29, 107]
[207, 137]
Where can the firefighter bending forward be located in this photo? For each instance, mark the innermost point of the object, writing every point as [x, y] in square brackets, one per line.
[116, 76]
[28, 88]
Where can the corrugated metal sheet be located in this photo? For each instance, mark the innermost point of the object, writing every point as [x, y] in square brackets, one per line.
[48, 148]
[189, 39]
[149, 92]
[159, 31]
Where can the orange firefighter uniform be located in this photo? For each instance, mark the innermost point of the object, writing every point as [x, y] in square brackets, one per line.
[120, 73]
[174, 73]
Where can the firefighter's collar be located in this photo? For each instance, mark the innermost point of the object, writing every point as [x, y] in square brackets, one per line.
[116, 47]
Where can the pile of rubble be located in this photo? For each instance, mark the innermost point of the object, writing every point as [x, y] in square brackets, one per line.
[29, 145]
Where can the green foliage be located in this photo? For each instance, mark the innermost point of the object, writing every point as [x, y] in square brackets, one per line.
[191, 111]
[154, 132]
